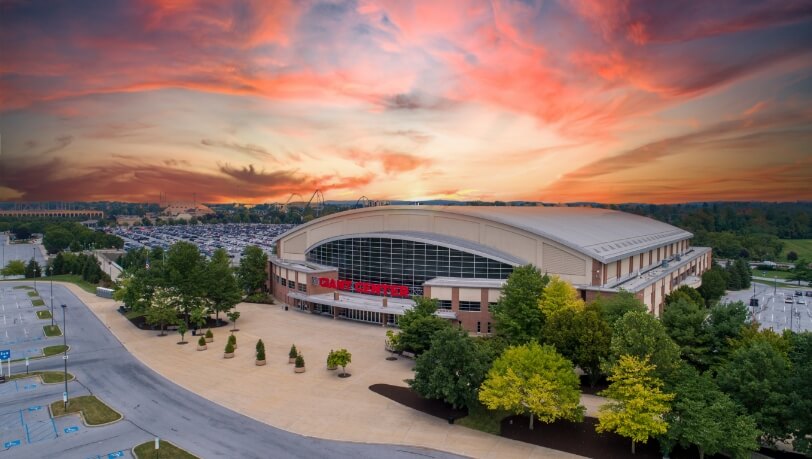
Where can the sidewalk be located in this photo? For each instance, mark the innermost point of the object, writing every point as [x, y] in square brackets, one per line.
[316, 403]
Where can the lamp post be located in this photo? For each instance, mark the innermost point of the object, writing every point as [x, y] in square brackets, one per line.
[65, 357]
[34, 259]
[51, 279]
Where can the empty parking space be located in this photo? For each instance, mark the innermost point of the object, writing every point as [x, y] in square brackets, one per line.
[21, 330]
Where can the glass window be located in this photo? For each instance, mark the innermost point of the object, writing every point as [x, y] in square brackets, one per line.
[444, 304]
[402, 262]
[291, 284]
[470, 305]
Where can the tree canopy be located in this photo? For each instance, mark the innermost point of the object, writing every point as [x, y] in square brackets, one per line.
[642, 335]
[252, 270]
[637, 403]
[614, 307]
[581, 336]
[533, 380]
[452, 369]
[418, 326]
[559, 295]
[685, 323]
[518, 318]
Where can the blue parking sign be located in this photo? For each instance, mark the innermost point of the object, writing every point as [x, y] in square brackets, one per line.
[115, 455]
[5, 355]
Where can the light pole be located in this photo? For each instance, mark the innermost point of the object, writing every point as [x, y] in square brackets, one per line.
[50, 277]
[65, 357]
[34, 259]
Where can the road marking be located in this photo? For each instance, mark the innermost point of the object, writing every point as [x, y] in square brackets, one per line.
[34, 408]
[12, 443]
[71, 429]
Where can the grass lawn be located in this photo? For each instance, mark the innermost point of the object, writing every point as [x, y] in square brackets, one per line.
[44, 314]
[48, 377]
[773, 273]
[94, 411]
[52, 330]
[803, 247]
[165, 451]
[24, 287]
[37, 303]
[54, 350]
[33, 293]
[75, 279]
[481, 418]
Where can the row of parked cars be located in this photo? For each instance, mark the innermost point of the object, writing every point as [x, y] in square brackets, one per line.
[799, 297]
[233, 237]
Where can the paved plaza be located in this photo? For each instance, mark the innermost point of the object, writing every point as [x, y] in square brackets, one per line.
[316, 403]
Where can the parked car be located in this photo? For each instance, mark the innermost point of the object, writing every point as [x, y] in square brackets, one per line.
[801, 300]
[788, 299]
[798, 293]
[809, 293]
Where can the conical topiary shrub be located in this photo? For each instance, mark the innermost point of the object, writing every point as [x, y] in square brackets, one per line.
[209, 336]
[292, 354]
[260, 353]
[300, 364]
[201, 344]
[229, 352]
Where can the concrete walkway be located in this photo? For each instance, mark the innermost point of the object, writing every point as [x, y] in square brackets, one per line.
[316, 403]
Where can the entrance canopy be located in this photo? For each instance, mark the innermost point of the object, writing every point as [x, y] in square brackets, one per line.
[396, 306]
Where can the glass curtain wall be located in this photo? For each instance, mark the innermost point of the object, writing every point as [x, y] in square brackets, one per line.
[403, 262]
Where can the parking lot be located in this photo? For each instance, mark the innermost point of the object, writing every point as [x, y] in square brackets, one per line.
[233, 237]
[28, 430]
[23, 252]
[21, 330]
[774, 310]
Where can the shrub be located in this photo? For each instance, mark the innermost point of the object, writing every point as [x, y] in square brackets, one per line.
[330, 357]
[201, 341]
[342, 358]
[261, 298]
[229, 348]
[293, 352]
[209, 334]
[260, 350]
[232, 340]
[300, 363]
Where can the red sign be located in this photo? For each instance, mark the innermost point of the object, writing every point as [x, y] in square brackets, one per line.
[365, 287]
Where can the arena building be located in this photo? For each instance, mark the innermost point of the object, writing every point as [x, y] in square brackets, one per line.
[366, 264]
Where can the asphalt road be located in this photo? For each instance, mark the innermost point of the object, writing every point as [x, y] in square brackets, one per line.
[154, 406]
[773, 311]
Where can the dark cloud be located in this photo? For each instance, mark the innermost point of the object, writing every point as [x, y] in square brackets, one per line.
[415, 101]
[61, 142]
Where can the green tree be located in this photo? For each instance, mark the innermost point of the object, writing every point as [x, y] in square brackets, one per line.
[689, 293]
[251, 272]
[685, 323]
[56, 239]
[581, 336]
[184, 271]
[714, 284]
[725, 324]
[452, 369]
[533, 380]
[260, 350]
[800, 356]
[341, 358]
[755, 376]
[182, 329]
[162, 310]
[559, 295]
[704, 416]
[517, 316]
[616, 306]
[222, 289]
[801, 272]
[32, 269]
[743, 269]
[419, 324]
[641, 335]
[14, 268]
[636, 402]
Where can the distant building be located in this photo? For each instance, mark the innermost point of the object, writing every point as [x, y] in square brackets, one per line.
[129, 220]
[185, 210]
[48, 213]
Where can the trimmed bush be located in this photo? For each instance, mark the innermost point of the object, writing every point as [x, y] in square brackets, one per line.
[201, 341]
[300, 363]
[260, 350]
[209, 334]
[229, 348]
[293, 352]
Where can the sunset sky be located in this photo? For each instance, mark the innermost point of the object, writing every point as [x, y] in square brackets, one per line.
[250, 101]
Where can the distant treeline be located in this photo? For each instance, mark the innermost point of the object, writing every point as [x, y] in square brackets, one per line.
[735, 229]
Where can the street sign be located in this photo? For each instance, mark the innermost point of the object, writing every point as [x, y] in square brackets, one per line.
[71, 429]
[5, 355]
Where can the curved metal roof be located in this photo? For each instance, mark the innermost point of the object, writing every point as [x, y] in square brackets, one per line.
[602, 234]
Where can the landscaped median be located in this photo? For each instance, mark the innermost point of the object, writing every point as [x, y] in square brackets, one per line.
[165, 450]
[33, 293]
[47, 377]
[52, 330]
[44, 315]
[93, 411]
[37, 302]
